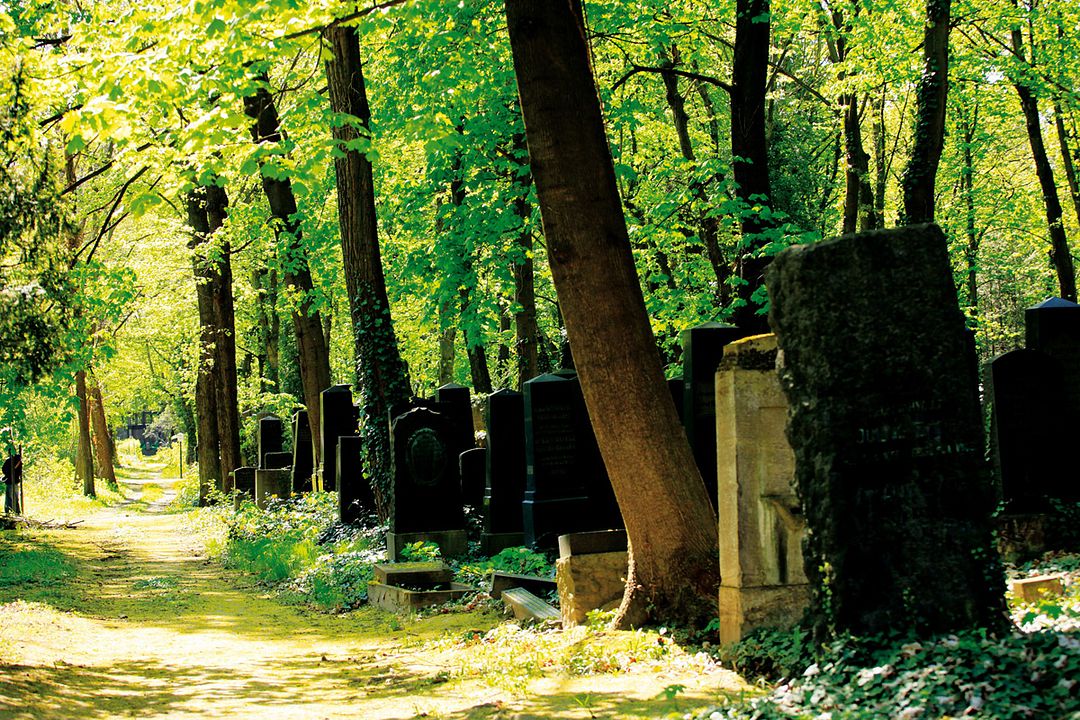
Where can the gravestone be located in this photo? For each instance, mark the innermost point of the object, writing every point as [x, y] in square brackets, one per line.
[271, 434]
[303, 461]
[337, 417]
[882, 385]
[355, 499]
[505, 472]
[678, 395]
[244, 485]
[427, 490]
[1053, 328]
[1029, 430]
[278, 460]
[603, 510]
[703, 349]
[271, 484]
[456, 404]
[471, 467]
[761, 524]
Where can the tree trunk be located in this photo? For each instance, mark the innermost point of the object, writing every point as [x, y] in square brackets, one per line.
[311, 348]
[967, 187]
[749, 77]
[446, 347]
[228, 414]
[673, 572]
[104, 450]
[84, 459]
[859, 197]
[264, 282]
[526, 333]
[1060, 256]
[881, 172]
[478, 368]
[382, 378]
[206, 391]
[931, 95]
[1067, 159]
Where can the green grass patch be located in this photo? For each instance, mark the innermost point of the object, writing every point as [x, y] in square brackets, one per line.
[24, 563]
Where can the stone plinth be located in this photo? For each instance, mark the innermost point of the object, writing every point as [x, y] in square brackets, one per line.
[1034, 588]
[244, 485]
[761, 525]
[271, 484]
[589, 582]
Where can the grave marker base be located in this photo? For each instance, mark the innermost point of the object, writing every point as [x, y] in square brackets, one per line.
[452, 543]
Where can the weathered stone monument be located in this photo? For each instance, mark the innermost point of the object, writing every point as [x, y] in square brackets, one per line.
[244, 485]
[271, 484]
[355, 498]
[337, 417]
[427, 490]
[472, 468]
[761, 525]
[505, 472]
[882, 384]
[703, 348]
[271, 434]
[456, 403]
[303, 462]
[1029, 429]
[590, 573]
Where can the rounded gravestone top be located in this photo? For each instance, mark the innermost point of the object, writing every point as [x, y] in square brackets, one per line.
[1054, 303]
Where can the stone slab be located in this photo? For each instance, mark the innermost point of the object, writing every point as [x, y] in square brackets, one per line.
[539, 586]
[591, 543]
[271, 484]
[589, 582]
[1034, 588]
[742, 609]
[399, 599]
[527, 606]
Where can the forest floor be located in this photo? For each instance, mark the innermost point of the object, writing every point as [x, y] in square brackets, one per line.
[124, 616]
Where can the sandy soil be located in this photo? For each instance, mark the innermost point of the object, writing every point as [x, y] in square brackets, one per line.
[147, 627]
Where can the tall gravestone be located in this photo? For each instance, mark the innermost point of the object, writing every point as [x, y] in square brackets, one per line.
[1029, 430]
[303, 462]
[1053, 327]
[337, 417]
[456, 404]
[678, 395]
[271, 484]
[427, 490]
[703, 348]
[355, 498]
[271, 434]
[505, 472]
[471, 468]
[603, 508]
[244, 485]
[882, 384]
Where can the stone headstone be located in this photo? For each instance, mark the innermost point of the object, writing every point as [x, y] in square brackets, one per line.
[1053, 327]
[882, 384]
[1029, 430]
[472, 469]
[271, 484]
[337, 417]
[303, 462]
[456, 404]
[505, 472]
[271, 433]
[761, 523]
[244, 484]
[678, 395]
[278, 460]
[355, 499]
[702, 350]
[427, 490]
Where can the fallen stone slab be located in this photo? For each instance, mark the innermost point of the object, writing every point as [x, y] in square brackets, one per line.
[1033, 588]
[527, 606]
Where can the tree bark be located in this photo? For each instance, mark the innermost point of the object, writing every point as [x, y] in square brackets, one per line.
[228, 413]
[967, 188]
[446, 348]
[382, 378]
[1060, 256]
[673, 573]
[264, 282]
[311, 348]
[526, 332]
[859, 197]
[84, 459]
[931, 96]
[749, 143]
[104, 449]
[1067, 159]
[881, 172]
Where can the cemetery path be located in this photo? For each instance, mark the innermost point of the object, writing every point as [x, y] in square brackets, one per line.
[145, 626]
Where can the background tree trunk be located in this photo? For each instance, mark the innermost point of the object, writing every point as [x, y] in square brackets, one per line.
[382, 378]
[84, 459]
[526, 344]
[228, 415]
[104, 449]
[673, 572]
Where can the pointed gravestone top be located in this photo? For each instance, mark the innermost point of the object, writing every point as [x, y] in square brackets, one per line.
[712, 325]
[549, 377]
[452, 386]
[504, 393]
[1054, 303]
[338, 389]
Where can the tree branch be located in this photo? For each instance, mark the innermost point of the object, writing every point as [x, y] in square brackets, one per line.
[635, 69]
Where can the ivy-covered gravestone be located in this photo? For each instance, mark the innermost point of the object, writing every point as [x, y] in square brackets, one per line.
[882, 382]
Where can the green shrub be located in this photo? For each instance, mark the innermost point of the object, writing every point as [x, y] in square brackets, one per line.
[518, 560]
[770, 653]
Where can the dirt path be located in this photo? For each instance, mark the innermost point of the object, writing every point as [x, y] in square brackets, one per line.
[146, 627]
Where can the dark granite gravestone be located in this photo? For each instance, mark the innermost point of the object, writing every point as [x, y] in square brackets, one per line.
[678, 395]
[337, 417]
[1053, 328]
[703, 349]
[270, 484]
[455, 403]
[603, 510]
[884, 419]
[355, 499]
[244, 484]
[303, 461]
[427, 489]
[271, 433]
[1029, 430]
[505, 472]
[278, 460]
[471, 468]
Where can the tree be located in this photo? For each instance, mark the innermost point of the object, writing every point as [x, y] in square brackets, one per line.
[673, 572]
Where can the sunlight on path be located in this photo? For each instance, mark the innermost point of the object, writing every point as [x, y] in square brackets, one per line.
[148, 628]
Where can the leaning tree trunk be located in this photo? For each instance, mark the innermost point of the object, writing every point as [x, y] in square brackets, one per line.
[1067, 158]
[382, 378]
[206, 392]
[931, 95]
[84, 459]
[103, 442]
[311, 348]
[228, 414]
[673, 573]
[526, 332]
[749, 143]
